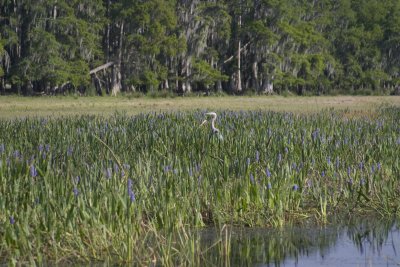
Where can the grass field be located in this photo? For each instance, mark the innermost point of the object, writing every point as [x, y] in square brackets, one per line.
[11, 106]
[137, 189]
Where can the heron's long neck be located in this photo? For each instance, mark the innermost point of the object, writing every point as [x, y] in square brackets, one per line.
[213, 125]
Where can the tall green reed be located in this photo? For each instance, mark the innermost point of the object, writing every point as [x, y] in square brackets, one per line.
[94, 188]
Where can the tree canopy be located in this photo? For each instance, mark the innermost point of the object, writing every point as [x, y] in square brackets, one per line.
[181, 46]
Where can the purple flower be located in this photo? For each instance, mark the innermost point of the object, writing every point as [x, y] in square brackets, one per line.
[131, 194]
[12, 220]
[76, 191]
[361, 165]
[108, 173]
[40, 148]
[32, 171]
[267, 172]
[248, 161]
[315, 134]
[279, 157]
[295, 187]
[348, 171]
[47, 147]
[294, 165]
[198, 167]
[69, 151]
[116, 168]
[167, 168]
[269, 186]
[251, 178]
[328, 160]
[378, 165]
[323, 174]
[257, 156]
[17, 154]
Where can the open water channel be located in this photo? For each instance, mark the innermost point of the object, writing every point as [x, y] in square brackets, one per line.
[361, 242]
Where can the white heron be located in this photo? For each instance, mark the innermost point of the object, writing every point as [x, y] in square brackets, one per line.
[213, 128]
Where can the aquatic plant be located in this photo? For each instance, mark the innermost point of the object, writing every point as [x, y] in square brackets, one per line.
[145, 182]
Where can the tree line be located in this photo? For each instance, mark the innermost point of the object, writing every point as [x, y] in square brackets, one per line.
[183, 46]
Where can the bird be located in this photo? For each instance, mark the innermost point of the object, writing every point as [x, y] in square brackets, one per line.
[214, 130]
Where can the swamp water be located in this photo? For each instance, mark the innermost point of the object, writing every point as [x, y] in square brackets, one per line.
[366, 242]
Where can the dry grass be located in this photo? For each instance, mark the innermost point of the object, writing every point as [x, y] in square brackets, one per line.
[12, 107]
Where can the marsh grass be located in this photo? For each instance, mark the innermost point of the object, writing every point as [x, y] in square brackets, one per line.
[17, 107]
[138, 188]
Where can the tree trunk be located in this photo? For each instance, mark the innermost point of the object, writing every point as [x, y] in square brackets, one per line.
[268, 86]
[2, 86]
[238, 75]
[116, 73]
[254, 79]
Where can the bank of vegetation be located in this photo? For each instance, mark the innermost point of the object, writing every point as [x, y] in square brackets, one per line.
[183, 46]
[141, 188]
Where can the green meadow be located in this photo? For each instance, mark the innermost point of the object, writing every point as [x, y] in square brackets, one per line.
[140, 186]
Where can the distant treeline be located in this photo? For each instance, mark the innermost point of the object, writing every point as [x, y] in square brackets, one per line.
[183, 46]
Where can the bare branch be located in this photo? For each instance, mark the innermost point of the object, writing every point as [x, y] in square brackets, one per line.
[232, 57]
[102, 67]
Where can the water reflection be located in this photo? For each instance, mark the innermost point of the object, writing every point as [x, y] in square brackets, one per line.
[361, 242]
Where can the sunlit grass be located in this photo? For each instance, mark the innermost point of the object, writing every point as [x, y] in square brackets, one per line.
[11, 106]
[136, 188]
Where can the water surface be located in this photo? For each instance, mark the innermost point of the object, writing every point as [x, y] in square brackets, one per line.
[361, 242]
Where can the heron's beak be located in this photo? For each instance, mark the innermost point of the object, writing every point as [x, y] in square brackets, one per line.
[204, 122]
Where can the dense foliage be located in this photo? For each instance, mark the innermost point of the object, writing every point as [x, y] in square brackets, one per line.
[126, 187]
[180, 46]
